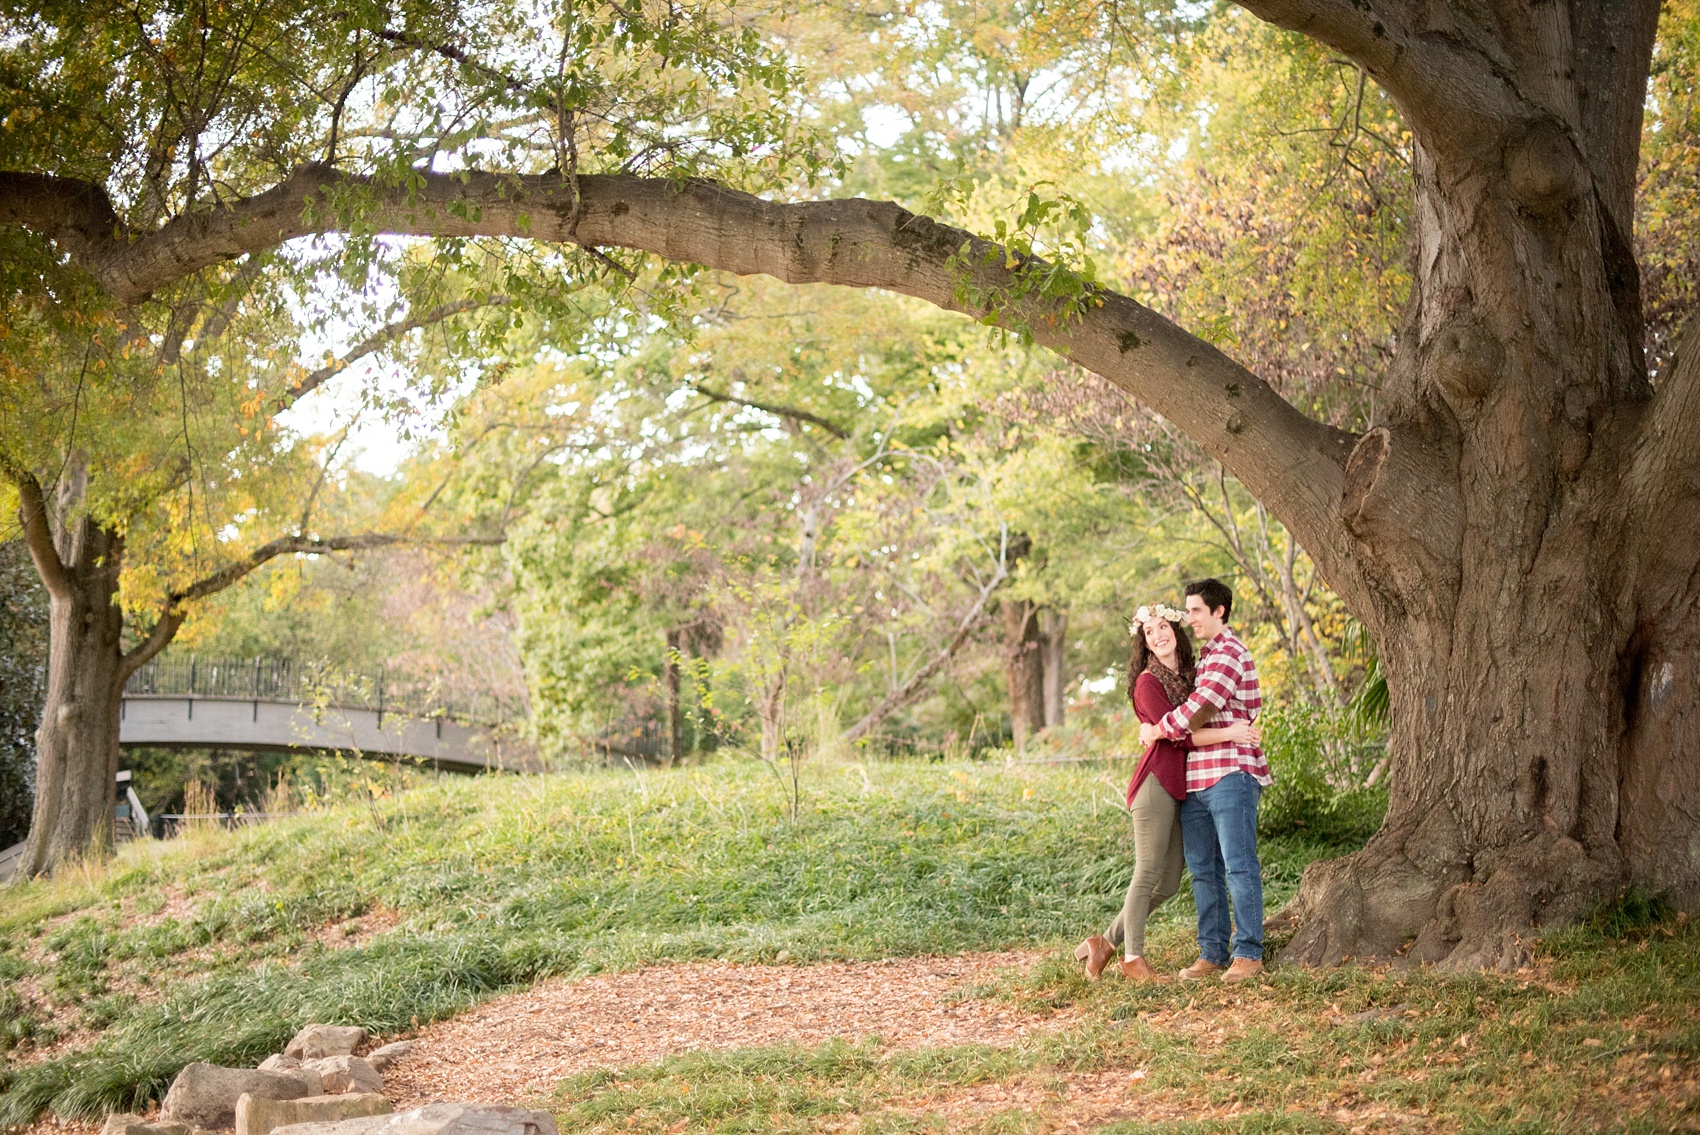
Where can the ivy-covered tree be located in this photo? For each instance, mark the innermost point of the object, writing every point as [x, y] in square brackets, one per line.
[23, 672]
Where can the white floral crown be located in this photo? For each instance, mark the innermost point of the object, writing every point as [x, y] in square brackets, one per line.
[1155, 610]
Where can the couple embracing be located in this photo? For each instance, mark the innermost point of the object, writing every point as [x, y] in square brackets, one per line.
[1194, 793]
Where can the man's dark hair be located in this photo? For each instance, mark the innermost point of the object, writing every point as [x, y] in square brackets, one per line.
[1215, 594]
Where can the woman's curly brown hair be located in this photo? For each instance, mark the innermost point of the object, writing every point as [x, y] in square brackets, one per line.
[1142, 657]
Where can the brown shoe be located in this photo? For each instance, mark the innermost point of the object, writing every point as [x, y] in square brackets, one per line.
[1199, 969]
[1242, 970]
[1096, 952]
[1138, 970]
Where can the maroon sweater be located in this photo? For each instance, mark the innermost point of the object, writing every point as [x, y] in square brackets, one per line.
[1165, 760]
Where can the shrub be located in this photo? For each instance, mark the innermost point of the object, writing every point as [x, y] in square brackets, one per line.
[1322, 772]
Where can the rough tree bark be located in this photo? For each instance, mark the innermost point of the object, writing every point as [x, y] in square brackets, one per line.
[1525, 628]
[1053, 664]
[1519, 529]
[77, 741]
[1023, 667]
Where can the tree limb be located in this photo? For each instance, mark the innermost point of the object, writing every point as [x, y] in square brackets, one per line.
[378, 340]
[164, 630]
[234, 293]
[1292, 463]
[776, 410]
[77, 214]
[454, 54]
[172, 610]
[1450, 80]
[916, 684]
[38, 534]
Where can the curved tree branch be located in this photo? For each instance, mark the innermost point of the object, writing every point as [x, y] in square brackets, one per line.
[234, 292]
[1448, 79]
[450, 52]
[1290, 462]
[775, 409]
[38, 534]
[173, 612]
[1471, 79]
[77, 214]
[377, 341]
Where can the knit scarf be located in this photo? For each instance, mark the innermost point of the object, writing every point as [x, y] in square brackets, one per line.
[1177, 687]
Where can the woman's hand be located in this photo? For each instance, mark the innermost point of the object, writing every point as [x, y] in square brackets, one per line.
[1149, 734]
[1245, 733]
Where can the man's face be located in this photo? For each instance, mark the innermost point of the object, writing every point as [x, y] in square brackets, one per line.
[1206, 624]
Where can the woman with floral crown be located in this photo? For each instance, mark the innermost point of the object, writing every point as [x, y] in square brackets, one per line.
[1159, 677]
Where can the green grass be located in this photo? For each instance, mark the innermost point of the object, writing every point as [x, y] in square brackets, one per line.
[218, 946]
[494, 884]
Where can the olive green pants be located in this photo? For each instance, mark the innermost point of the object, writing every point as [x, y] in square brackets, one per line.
[1157, 863]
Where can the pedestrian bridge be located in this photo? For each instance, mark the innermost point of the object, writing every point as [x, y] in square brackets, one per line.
[277, 704]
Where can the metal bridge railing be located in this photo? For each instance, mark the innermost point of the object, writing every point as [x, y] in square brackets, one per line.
[305, 683]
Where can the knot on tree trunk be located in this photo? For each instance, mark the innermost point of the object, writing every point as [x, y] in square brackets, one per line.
[1543, 169]
[1467, 361]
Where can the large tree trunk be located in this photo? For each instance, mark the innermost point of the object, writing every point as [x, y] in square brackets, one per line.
[1545, 717]
[1528, 638]
[77, 742]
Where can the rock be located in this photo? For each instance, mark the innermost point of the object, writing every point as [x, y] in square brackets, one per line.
[204, 1095]
[340, 1074]
[438, 1119]
[382, 1058]
[261, 1116]
[124, 1123]
[278, 1062]
[318, 1041]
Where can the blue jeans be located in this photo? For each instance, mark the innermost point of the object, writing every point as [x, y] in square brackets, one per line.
[1219, 829]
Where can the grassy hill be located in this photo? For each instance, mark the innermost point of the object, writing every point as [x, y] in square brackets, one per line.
[403, 907]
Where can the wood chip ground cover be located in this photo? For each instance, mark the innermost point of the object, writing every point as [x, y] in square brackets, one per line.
[521, 1046]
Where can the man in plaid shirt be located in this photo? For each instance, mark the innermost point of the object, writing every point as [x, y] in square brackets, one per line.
[1223, 785]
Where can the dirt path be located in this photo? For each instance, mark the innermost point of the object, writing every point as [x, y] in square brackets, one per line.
[518, 1047]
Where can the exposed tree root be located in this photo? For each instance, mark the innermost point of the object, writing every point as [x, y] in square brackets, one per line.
[1411, 895]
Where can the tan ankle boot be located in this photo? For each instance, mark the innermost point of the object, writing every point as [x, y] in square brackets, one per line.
[1242, 969]
[1199, 969]
[1096, 952]
[1138, 970]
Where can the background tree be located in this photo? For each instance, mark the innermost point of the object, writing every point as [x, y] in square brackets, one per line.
[186, 486]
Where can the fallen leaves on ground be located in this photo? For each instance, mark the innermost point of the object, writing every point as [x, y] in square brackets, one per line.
[520, 1046]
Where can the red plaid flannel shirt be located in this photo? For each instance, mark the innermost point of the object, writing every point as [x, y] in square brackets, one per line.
[1226, 683]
